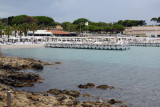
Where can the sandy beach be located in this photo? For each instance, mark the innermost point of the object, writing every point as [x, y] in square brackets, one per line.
[21, 46]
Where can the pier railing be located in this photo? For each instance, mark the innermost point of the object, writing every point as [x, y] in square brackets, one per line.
[97, 46]
[145, 44]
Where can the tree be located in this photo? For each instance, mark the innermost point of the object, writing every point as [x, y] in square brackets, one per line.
[44, 20]
[8, 31]
[33, 27]
[117, 28]
[158, 20]
[15, 29]
[25, 28]
[67, 26]
[30, 20]
[42, 27]
[1, 30]
[4, 21]
[129, 23]
[18, 19]
[108, 28]
[10, 20]
[1, 33]
[20, 29]
[80, 20]
[154, 19]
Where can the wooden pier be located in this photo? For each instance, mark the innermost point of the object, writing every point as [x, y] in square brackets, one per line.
[88, 46]
[145, 44]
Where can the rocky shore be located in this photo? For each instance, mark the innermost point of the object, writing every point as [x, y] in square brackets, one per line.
[14, 63]
[11, 76]
[58, 98]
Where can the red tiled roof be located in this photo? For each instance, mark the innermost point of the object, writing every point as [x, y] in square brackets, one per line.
[58, 32]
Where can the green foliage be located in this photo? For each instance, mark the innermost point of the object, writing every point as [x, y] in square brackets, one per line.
[15, 28]
[10, 20]
[57, 23]
[8, 30]
[18, 19]
[1, 29]
[4, 21]
[158, 20]
[154, 19]
[33, 27]
[47, 21]
[80, 20]
[25, 28]
[67, 26]
[117, 28]
[20, 28]
[30, 20]
[129, 23]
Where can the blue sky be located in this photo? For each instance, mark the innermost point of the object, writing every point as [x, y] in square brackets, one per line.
[94, 10]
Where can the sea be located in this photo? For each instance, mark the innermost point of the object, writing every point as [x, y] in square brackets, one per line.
[134, 73]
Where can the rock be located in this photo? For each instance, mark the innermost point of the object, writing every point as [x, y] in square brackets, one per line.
[37, 66]
[113, 101]
[105, 87]
[61, 98]
[58, 63]
[14, 63]
[86, 95]
[88, 85]
[94, 104]
[7, 66]
[71, 93]
[20, 79]
[65, 92]
[55, 91]
[1, 98]
[24, 66]
[124, 106]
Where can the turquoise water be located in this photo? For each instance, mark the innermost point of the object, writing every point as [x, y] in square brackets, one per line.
[135, 73]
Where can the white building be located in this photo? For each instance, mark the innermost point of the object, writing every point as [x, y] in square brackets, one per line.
[40, 33]
[144, 31]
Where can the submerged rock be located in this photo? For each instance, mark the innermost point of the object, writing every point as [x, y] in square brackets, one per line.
[55, 91]
[65, 92]
[105, 87]
[37, 66]
[19, 79]
[86, 95]
[58, 63]
[88, 85]
[94, 104]
[113, 101]
[71, 93]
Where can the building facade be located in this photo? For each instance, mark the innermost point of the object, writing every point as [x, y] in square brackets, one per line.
[143, 31]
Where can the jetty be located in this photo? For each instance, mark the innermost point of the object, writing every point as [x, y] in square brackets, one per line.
[145, 44]
[88, 46]
[97, 43]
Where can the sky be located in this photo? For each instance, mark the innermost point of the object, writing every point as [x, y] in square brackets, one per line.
[94, 10]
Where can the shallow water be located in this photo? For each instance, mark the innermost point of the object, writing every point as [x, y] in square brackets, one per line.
[135, 73]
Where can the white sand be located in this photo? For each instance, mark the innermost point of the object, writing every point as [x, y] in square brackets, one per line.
[22, 46]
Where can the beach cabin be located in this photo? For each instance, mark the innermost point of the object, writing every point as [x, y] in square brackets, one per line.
[62, 33]
[40, 33]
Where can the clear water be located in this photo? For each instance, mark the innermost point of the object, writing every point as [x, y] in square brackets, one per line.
[135, 73]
